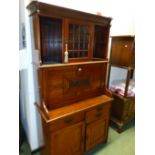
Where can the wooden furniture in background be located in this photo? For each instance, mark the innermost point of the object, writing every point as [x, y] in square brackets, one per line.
[122, 55]
[122, 111]
[123, 107]
[75, 105]
[123, 51]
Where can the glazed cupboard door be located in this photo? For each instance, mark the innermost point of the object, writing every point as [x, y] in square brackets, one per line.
[96, 133]
[68, 141]
[79, 38]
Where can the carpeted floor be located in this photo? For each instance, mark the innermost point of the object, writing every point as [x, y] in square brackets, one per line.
[118, 144]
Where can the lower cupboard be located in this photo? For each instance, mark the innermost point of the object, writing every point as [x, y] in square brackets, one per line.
[75, 129]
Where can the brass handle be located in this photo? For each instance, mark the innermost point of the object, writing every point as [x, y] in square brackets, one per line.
[68, 120]
[98, 114]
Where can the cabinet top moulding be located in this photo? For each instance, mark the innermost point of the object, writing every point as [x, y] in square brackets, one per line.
[123, 37]
[53, 10]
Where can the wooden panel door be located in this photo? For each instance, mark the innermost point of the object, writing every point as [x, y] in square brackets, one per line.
[96, 133]
[68, 141]
[122, 51]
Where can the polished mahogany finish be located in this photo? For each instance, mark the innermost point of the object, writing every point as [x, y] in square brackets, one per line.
[122, 111]
[75, 105]
[85, 34]
[123, 51]
[51, 39]
[61, 86]
[80, 121]
[96, 133]
[123, 56]
[101, 38]
[57, 11]
[69, 140]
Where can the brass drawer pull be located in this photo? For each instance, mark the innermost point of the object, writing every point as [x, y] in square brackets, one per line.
[68, 120]
[98, 114]
[99, 108]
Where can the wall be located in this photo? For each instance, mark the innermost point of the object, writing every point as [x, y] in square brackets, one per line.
[21, 21]
[122, 12]
[29, 93]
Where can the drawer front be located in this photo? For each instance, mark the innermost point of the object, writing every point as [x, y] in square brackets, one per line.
[100, 112]
[66, 121]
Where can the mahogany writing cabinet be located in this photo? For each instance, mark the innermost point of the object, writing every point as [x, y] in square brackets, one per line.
[122, 57]
[75, 104]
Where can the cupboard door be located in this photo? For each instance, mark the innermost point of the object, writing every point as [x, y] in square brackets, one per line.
[122, 51]
[78, 36]
[96, 133]
[68, 141]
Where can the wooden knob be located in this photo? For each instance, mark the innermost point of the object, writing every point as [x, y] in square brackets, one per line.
[98, 114]
[68, 120]
[79, 69]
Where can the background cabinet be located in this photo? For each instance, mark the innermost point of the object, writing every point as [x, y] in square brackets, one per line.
[122, 111]
[122, 51]
[122, 57]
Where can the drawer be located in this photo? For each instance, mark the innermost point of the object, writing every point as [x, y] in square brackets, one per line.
[66, 121]
[100, 112]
